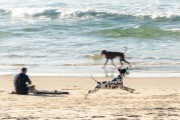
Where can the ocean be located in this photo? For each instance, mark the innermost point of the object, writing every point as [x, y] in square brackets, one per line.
[66, 37]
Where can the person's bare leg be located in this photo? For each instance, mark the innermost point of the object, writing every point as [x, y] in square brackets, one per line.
[32, 89]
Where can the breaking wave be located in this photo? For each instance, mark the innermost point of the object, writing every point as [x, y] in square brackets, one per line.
[51, 12]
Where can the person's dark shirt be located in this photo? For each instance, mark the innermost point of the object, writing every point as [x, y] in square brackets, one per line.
[21, 83]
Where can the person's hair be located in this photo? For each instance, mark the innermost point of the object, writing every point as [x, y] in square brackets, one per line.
[24, 69]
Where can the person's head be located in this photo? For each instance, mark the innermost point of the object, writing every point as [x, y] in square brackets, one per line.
[24, 70]
[123, 71]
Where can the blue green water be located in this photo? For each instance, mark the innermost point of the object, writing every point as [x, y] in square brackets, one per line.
[67, 36]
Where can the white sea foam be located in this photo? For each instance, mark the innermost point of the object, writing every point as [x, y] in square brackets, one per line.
[173, 29]
[138, 8]
[132, 75]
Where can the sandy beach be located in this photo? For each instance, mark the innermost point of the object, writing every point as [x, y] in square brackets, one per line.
[154, 99]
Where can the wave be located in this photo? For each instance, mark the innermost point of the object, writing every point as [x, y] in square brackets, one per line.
[19, 65]
[56, 12]
[2, 33]
[139, 32]
[5, 34]
[23, 56]
[49, 12]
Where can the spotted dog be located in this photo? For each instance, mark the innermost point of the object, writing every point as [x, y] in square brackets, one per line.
[112, 84]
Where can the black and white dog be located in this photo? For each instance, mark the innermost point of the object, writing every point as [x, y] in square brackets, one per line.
[112, 84]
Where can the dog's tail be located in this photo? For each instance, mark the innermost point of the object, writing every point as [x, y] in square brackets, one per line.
[125, 49]
[94, 79]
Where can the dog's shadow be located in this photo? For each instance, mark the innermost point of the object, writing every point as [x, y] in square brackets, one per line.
[109, 72]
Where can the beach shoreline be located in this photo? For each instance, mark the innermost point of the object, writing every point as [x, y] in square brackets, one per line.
[150, 74]
[154, 99]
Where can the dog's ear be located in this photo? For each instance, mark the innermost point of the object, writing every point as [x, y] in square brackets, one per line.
[103, 51]
[119, 70]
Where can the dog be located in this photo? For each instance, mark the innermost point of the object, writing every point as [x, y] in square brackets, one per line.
[112, 55]
[113, 84]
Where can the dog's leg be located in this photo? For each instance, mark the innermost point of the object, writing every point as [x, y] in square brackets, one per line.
[91, 91]
[105, 63]
[121, 62]
[127, 89]
[88, 93]
[127, 62]
[113, 63]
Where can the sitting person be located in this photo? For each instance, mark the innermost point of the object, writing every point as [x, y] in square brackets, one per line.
[22, 82]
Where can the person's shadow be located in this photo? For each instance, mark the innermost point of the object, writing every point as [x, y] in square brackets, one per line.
[109, 73]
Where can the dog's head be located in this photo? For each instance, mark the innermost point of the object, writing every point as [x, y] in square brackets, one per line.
[103, 52]
[124, 71]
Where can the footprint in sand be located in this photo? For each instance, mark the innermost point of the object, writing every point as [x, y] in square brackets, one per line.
[121, 119]
[133, 115]
[97, 116]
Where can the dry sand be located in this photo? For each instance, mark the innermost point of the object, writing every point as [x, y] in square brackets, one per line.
[154, 99]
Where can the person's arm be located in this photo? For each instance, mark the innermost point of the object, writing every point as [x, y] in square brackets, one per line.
[29, 81]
